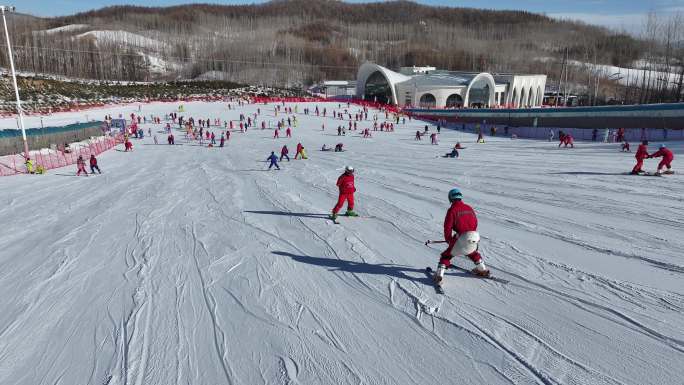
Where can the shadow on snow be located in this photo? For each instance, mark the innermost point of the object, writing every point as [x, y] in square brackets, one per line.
[390, 270]
[290, 214]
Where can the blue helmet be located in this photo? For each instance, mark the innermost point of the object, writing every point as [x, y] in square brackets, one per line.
[455, 194]
[662, 146]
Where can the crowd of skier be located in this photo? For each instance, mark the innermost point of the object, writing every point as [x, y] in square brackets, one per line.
[460, 223]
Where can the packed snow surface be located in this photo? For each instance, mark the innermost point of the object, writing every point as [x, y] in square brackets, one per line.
[193, 265]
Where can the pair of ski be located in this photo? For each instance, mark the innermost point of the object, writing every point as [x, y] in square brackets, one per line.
[439, 287]
[646, 173]
[337, 222]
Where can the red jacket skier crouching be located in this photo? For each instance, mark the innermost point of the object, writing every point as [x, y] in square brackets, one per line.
[461, 219]
[346, 185]
[668, 157]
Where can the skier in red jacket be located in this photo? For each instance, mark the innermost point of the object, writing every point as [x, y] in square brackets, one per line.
[346, 185]
[641, 154]
[668, 157]
[93, 165]
[461, 219]
[567, 140]
[284, 153]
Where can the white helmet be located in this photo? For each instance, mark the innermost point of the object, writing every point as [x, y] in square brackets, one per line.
[349, 169]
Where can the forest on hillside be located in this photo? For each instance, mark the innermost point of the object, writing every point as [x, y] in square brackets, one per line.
[299, 42]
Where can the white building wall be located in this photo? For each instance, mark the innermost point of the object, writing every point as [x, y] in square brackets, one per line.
[440, 93]
[527, 87]
[500, 94]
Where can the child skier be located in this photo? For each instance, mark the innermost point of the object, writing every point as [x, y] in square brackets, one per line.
[461, 219]
[641, 154]
[284, 153]
[300, 152]
[346, 185]
[80, 163]
[93, 165]
[274, 161]
[625, 146]
[29, 166]
[568, 140]
[452, 154]
[668, 157]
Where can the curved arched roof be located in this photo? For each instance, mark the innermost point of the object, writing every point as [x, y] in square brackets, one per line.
[489, 79]
[368, 69]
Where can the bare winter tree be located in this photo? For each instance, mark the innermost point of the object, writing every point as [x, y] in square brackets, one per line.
[298, 42]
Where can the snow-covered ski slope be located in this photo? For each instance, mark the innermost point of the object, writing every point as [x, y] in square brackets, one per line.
[189, 265]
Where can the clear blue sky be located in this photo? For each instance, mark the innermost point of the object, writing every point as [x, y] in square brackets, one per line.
[613, 13]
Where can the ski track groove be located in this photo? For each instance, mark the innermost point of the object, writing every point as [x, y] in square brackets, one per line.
[210, 308]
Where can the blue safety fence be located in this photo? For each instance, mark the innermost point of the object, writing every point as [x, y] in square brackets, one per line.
[615, 110]
[584, 134]
[14, 133]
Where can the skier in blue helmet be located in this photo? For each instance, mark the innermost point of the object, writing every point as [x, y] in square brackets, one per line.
[461, 220]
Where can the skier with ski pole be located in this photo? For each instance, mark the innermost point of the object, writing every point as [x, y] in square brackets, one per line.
[461, 219]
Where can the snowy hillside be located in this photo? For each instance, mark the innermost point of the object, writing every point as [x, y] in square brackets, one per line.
[63, 29]
[628, 76]
[193, 265]
[123, 38]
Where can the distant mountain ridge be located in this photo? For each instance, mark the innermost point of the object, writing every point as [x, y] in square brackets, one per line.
[297, 42]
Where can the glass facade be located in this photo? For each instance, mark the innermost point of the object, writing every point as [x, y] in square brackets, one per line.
[479, 94]
[428, 101]
[377, 89]
[454, 100]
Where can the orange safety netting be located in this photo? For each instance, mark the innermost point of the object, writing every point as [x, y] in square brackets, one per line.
[51, 159]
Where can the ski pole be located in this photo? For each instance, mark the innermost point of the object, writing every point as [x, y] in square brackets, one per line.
[428, 242]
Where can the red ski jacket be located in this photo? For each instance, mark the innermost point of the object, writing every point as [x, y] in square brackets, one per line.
[642, 152]
[93, 161]
[459, 218]
[284, 150]
[665, 153]
[346, 183]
